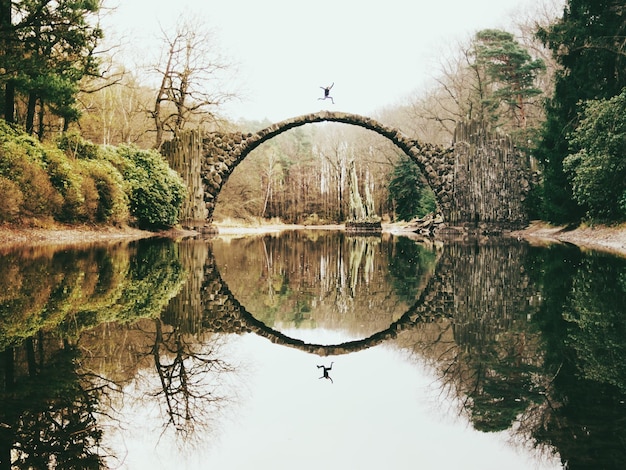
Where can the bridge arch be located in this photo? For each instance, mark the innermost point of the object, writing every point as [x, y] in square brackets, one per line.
[223, 155]
[482, 179]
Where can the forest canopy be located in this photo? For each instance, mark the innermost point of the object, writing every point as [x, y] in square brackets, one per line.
[550, 83]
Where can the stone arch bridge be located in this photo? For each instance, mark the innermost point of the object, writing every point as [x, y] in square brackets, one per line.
[480, 177]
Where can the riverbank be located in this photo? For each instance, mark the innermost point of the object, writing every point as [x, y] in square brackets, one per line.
[61, 235]
[597, 237]
[607, 238]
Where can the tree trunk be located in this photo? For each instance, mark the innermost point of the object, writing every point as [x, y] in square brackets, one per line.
[30, 113]
[9, 101]
[6, 25]
[40, 115]
[6, 437]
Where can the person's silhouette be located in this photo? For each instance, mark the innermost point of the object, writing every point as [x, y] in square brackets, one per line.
[325, 372]
[327, 93]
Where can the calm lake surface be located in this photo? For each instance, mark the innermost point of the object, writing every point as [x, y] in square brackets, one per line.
[313, 349]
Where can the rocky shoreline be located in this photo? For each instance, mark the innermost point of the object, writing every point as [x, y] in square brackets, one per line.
[599, 237]
[15, 237]
[605, 238]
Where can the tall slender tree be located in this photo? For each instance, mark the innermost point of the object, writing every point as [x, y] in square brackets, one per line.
[492, 79]
[7, 79]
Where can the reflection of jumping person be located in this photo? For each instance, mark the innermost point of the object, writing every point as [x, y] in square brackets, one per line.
[326, 369]
[327, 93]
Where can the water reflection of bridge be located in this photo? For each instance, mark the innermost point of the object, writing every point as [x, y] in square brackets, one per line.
[471, 286]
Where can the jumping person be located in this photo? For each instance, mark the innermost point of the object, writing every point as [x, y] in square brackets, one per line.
[327, 93]
[325, 374]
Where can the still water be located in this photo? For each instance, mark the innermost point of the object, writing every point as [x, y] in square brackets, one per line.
[312, 349]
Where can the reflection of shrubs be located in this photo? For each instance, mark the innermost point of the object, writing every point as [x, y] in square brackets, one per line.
[78, 289]
[596, 326]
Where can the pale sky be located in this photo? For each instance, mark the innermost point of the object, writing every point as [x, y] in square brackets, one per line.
[377, 53]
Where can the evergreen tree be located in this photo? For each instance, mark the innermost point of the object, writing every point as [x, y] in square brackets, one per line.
[47, 50]
[511, 74]
[408, 193]
[588, 43]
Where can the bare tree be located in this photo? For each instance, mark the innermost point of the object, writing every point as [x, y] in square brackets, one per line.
[188, 370]
[462, 90]
[191, 73]
[270, 176]
[334, 174]
[115, 114]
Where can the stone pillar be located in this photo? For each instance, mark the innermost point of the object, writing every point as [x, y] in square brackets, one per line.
[491, 179]
[184, 155]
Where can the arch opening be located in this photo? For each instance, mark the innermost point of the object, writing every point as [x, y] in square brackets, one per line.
[430, 159]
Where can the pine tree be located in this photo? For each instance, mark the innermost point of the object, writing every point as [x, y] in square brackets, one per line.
[511, 73]
[47, 51]
[408, 193]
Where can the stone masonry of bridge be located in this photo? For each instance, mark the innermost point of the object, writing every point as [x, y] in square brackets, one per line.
[478, 178]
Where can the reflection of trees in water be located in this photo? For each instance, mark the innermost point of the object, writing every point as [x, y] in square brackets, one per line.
[489, 352]
[362, 259]
[119, 283]
[537, 339]
[48, 410]
[595, 311]
[408, 262]
[188, 371]
[323, 279]
[186, 309]
[70, 319]
[184, 374]
[583, 323]
[500, 352]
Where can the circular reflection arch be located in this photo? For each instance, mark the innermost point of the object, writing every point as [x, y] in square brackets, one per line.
[428, 307]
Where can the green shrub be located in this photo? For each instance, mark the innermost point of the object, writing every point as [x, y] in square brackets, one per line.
[112, 200]
[156, 192]
[20, 164]
[82, 182]
[65, 177]
[90, 200]
[75, 146]
[597, 169]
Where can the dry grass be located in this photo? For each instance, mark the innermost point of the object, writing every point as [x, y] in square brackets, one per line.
[12, 236]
